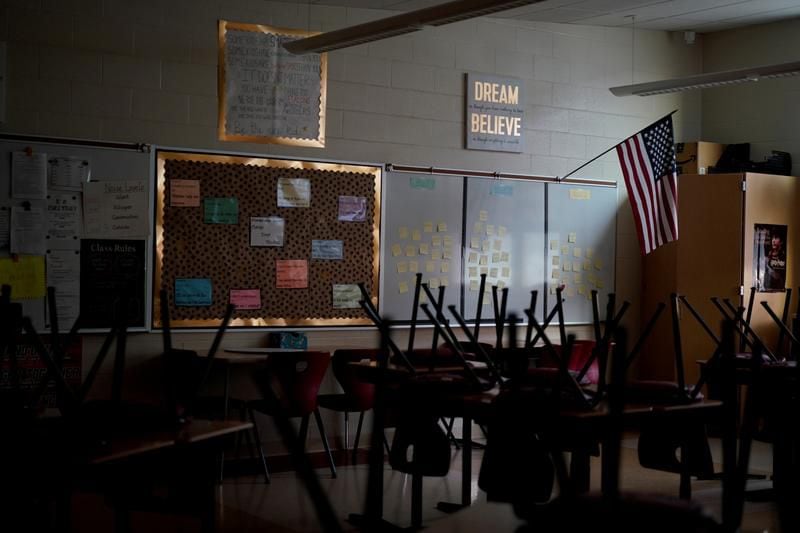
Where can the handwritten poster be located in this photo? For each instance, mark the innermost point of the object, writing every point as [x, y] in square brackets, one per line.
[269, 94]
[109, 267]
[291, 274]
[28, 176]
[64, 273]
[115, 209]
[266, 231]
[294, 192]
[352, 208]
[246, 298]
[221, 211]
[27, 231]
[193, 292]
[63, 221]
[346, 296]
[68, 173]
[327, 249]
[26, 276]
[184, 193]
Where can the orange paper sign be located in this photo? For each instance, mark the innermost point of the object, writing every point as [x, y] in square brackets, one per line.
[184, 193]
[291, 274]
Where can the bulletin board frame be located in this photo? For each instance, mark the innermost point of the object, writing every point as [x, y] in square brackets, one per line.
[164, 155]
[319, 141]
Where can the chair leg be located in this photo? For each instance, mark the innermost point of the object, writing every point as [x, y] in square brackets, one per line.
[247, 435]
[321, 429]
[302, 435]
[358, 435]
[386, 444]
[346, 429]
[257, 438]
[449, 430]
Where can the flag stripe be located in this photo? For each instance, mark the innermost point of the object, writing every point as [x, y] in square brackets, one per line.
[643, 178]
[633, 196]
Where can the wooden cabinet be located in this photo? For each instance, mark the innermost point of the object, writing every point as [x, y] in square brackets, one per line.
[713, 256]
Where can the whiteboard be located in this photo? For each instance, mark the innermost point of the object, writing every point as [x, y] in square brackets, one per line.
[422, 214]
[505, 228]
[581, 247]
[108, 161]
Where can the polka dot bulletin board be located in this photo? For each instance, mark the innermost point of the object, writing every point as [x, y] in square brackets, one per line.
[286, 242]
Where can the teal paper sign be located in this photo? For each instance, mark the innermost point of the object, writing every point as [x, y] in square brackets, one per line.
[422, 183]
[502, 189]
[192, 292]
[221, 210]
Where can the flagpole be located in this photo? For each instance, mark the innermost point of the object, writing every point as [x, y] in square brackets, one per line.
[604, 153]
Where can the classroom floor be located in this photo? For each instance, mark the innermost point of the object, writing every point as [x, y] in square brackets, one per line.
[246, 504]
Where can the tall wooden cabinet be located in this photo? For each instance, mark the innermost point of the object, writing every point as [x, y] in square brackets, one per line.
[713, 256]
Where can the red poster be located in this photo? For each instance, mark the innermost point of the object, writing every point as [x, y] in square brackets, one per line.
[291, 274]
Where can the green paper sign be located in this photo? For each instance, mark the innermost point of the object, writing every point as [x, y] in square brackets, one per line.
[221, 211]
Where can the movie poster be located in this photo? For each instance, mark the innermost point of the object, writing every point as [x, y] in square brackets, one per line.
[769, 257]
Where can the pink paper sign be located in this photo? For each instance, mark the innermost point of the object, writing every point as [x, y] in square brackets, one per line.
[184, 193]
[246, 298]
[291, 274]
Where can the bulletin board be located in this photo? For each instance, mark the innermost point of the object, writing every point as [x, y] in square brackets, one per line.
[581, 233]
[285, 241]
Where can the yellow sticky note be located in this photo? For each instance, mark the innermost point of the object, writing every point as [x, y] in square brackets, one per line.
[565, 249]
[444, 281]
[598, 264]
[566, 266]
[483, 216]
[473, 272]
[403, 287]
[413, 266]
[411, 251]
[403, 231]
[26, 275]
[600, 284]
[416, 235]
[501, 231]
[581, 290]
[445, 266]
[570, 292]
[447, 254]
[423, 249]
[553, 289]
[493, 272]
[475, 243]
[487, 301]
[423, 298]
[442, 227]
[577, 252]
[554, 244]
[489, 229]
[402, 267]
[573, 237]
[430, 266]
[397, 250]
[578, 277]
[501, 284]
[433, 283]
[496, 257]
[587, 265]
[498, 244]
[504, 257]
[576, 266]
[436, 254]
[436, 240]
[448, 240]
[485, 246]
[473, 285]
[484, 270]
[506, 272]
[484, 260]
[473, 257]
[556, 260]
[477, 227]
[589, 252]
[428, 226]
[555, 274]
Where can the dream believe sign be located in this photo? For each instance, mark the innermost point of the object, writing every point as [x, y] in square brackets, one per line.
[495, 113]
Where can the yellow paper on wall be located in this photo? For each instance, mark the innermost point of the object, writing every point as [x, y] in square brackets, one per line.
[496, 257]
[473, 257]
[566, 266]
[576, 252]
[430, 266]
[473, 285]
[556, 260]
[573, 237]
[436, 240]
[554, 244]
[484, 270]
[504, 257]
[25, 275]
[428, 226]
[423, 249]
[576, 266]
[445, 266]
[485, 246]
[498, 244]
[436, 254]
[433, 283]
[473, 272]
[598, 264]
[411, 251]
[483, 216]
[493, 272]
[475, 243]
[416, 235]
[489, 229]
[442, 227]
[403, 231]
[477, 228]
[403, 287]
[413, 266]
[506, 272]
[484, 260]
[402, 267]
[448, 241]
[589, 253]
[565, 249]
[397, 250]
[444, 281]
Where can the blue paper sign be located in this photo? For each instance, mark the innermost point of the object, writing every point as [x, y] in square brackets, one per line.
[502, 189]
[192, 292]
[327, 249]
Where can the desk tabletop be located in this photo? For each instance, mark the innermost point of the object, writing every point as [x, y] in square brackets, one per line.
[136, 443]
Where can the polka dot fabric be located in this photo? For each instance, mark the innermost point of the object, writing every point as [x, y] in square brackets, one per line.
[222, 252]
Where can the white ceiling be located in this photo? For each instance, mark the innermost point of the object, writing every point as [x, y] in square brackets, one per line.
[701, 16]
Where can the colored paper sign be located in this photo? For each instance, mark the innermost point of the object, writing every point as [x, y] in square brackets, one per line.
[417, 182]
[291, 274]
[246, 298]
[221, 210]
[294, 192]
[352, 208]
[116, 209]
[327, 249]
[25, 276]
[346, 296]
[184, 193]
[502, 189]
[266, 231]
[192, 292]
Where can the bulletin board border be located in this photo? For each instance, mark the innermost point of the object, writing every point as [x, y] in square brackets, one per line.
[319, 142]
[162, 154]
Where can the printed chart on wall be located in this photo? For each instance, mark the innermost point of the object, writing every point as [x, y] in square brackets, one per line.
[286, 242]
[423, 228]
[581, 246]
[267, 94]
[505, 240]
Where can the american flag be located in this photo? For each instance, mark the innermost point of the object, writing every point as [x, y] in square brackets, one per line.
[648, 164]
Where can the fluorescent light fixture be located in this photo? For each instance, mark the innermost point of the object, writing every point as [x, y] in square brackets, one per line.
[706, 81]
[399, 24]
